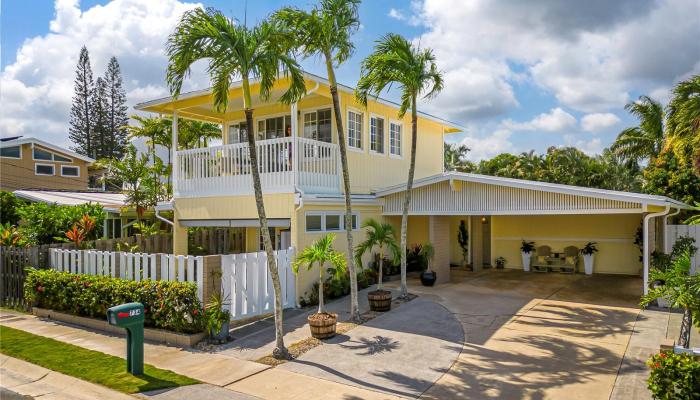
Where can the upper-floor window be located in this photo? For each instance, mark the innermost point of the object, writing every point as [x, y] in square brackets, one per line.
[317, 125]
[43, 155]
[354, 129]
[276, 127]
[395, 139]
[376, 134]
[69, 170]
[44, 169]
[11, 152]
[238, 133]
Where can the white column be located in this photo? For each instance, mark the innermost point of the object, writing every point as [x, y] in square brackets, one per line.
[294, 144]
[646, 254]
[173, 151]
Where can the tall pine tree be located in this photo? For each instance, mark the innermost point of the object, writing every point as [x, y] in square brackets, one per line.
[100, 120]
[81, 123]
[116, 110]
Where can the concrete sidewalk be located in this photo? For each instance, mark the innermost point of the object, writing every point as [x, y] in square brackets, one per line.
[26, 379]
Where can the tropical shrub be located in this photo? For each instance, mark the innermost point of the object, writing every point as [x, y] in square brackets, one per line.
[12, 237]
[9, 205]
[674, 376]
[338, 286]
[43, 223]
[168, 305]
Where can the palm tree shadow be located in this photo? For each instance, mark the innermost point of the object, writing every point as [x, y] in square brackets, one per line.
[371, 346]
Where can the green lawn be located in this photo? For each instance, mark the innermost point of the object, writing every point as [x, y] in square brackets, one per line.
[84, 364]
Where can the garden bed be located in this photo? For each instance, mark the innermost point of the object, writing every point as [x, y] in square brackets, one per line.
[154, 335]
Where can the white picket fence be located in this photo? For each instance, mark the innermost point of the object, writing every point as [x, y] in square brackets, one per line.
[247, 285]
[131, 266]
[673, 232]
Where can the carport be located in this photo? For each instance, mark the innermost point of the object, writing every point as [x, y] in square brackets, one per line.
[501, 212]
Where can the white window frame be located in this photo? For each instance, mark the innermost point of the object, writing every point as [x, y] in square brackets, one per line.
[271, 116]
[14, 158]
[53, 168]
[323, 214]
[53, 156]
[371, 140]
[315, 110]
[70, 166]
[362, 130]
[228, 130]
[401, 141]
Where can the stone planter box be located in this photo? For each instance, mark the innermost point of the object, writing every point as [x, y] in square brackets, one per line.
[151, 334]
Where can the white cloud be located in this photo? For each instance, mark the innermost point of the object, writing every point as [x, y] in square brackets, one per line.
[598, 121]
[482, 148]
[397, 14]
[38, 87]
[591, 146]
[556, 120]
[590, 55]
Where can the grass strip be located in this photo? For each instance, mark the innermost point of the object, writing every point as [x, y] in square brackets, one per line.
[89, 365]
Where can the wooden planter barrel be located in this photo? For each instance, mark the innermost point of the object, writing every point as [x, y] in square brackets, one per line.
[322, 328]
[379, 300]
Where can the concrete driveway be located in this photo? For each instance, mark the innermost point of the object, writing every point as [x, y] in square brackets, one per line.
[537, 336]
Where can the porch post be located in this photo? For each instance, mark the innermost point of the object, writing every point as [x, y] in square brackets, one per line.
[173, 151]
[477, 243]
[295, 152]
[439, 237]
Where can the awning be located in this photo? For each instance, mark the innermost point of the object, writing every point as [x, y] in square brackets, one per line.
[235, 223]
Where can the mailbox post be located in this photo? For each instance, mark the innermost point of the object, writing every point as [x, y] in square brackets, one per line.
[130, 316]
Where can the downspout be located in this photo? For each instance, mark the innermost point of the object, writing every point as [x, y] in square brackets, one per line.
[646, 244]
[160, 217]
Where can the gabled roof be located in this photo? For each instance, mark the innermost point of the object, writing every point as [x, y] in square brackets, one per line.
[109, 201]
[307, 76]
[541, 186]
[20, 140]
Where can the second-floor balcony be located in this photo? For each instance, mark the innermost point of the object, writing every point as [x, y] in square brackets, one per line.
[285, 164]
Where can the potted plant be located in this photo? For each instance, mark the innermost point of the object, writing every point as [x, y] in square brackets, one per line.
[428, 277]
[218, 319]
[526, 250]
[320, 253]
[500, 263]
[588, 251]
[380, 235]
[681, 289]
[463, 240]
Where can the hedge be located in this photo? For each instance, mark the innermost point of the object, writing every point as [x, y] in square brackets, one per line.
[168, 305]
[674, 376]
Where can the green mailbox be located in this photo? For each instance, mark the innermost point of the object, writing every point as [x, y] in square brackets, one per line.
[130, 316]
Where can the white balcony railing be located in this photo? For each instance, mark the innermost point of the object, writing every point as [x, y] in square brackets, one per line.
[284, 163]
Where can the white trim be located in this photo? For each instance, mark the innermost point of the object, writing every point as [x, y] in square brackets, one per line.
[271, 116]
[535, 185]
[228, 128]
[324, 214]
[31, 140]
[316, 109]
[53, 167]
[70, 166]
[368, 200]
[401, 139]
[53, 156]
[364, 125]
[13, 158]
[369, 135]
[565, 239]
[524, 212]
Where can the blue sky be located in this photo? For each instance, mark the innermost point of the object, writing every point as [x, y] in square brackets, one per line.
[519, 75]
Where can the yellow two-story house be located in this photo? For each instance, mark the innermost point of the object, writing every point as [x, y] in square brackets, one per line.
[301, 179]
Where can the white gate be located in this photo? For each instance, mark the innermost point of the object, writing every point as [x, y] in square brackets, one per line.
[673, 232]
[247, 286]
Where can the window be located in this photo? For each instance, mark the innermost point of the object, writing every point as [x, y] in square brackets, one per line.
[272, 128]
[328, 221]
[238, 133]
[317, 125]
[69, 170]
[354, 129]
[395, 139]
[376, 134]
[43, 169]
[44, 155]
[11, 152]
[273, 239]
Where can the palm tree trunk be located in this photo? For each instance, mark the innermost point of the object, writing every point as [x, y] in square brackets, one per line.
[407, 200]
[381, 268]
[321, 304]
[686, 324]
[354, 304]
[280, 351]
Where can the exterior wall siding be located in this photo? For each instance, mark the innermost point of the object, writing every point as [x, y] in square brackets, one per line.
[16, 174]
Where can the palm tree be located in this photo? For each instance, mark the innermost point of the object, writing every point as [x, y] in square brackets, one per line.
[379, 234]
[318, 254]
[396, 61]
[684, 121]
[156, 131]
[455, 158]
[325, 32]
[646, 140]
[132, 171]
[234, 50]
[194, 134]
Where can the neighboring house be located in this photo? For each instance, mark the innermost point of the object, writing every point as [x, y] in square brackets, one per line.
[301, 178]
[30, 163]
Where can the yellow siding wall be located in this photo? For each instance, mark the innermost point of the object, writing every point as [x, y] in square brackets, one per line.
[613, 233]
[306, 279]
[20, 173]
[277, 205]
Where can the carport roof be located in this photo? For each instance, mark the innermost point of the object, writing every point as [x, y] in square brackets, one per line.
[645, 199]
